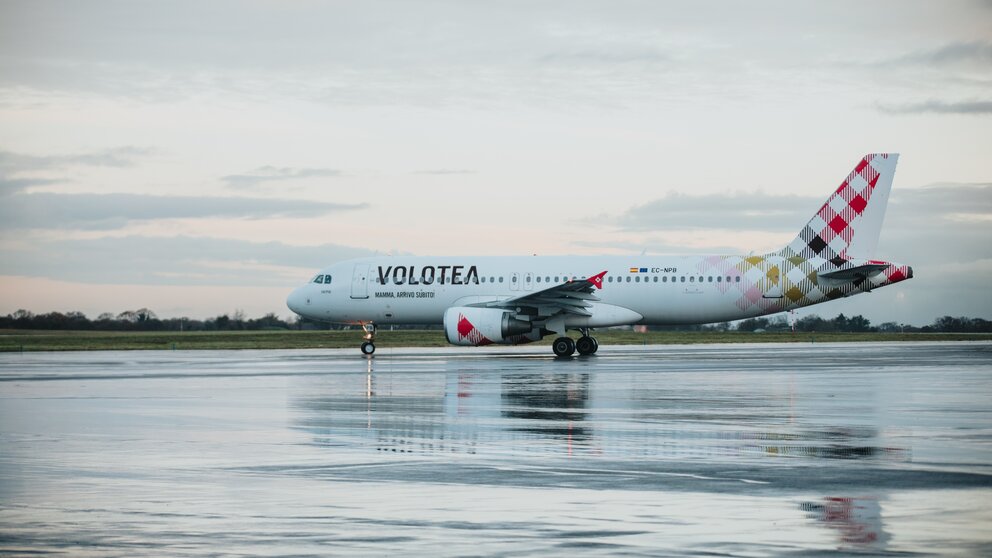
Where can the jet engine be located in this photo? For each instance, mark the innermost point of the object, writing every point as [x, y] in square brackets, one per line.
[468, 325]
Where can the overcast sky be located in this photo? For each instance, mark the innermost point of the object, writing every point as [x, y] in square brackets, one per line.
[201, 157]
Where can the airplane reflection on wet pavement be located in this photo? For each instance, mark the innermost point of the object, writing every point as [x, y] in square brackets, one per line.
[761, 449]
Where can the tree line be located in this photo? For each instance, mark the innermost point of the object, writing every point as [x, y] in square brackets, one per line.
[860, 324]
[144, 319]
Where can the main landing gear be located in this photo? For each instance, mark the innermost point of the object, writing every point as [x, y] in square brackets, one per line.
[368, 346]
[585, 345]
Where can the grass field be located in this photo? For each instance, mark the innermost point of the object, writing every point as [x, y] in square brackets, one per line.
[35, 340]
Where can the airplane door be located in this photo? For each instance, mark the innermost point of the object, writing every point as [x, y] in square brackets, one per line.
[515, 282]
[774, 277]
[360, 281]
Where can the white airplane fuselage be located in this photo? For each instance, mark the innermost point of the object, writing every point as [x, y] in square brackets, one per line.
[671, 290]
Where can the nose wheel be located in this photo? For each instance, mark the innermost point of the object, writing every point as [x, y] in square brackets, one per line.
[368, 346]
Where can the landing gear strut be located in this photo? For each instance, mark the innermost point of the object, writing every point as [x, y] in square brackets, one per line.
[368, 346]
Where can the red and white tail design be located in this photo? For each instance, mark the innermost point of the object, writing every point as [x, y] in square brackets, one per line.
[848, 224]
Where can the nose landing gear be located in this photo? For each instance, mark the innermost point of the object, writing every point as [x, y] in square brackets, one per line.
[368, 346]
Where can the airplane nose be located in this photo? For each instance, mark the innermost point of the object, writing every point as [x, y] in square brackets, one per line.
[295, 301]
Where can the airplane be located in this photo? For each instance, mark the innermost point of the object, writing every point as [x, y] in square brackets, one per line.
[521, 299]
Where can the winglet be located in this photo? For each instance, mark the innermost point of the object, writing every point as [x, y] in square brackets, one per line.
[597, 280]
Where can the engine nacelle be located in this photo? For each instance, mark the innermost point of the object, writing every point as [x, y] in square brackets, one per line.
[468, 325]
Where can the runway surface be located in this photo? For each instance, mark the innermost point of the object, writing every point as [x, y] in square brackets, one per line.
[743, 450]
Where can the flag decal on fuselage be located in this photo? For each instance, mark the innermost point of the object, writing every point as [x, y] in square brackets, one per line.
[638, 270]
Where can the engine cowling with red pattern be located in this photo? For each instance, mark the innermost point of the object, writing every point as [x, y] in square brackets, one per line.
[472, 326]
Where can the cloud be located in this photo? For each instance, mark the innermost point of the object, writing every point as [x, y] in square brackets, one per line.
[649, 246]
[940, 224]
[979, 52]
[938, 107]
[111, 211]
[943, 199]
[949, 79]
[10, 185]
[179, 260]
[442, 53]
[115, 157]
[261, 175]
[423, 54]
[607, 55]
[13, 166]
[445, 171]
[735, 211]
[757, 211]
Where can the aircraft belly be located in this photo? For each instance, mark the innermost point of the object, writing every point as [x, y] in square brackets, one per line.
[605, 315]
[411, 312]
[673, 305]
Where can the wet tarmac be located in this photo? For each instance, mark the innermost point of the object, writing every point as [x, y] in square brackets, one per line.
[738, 450]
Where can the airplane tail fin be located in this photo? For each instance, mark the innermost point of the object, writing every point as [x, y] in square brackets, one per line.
[849, 223]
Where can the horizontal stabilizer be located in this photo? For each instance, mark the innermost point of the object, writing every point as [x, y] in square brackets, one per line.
[855, 273]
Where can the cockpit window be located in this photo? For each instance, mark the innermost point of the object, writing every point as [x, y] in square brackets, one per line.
[318, 279]
[327, 279]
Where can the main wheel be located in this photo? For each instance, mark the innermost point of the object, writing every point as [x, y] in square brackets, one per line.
[563, 346]
[586, 345]
[368, 348]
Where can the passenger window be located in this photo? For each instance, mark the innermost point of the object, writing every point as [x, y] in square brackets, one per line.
[683, 278]
[500, 279]
[692, 279]
[709, 279]
[655, 278]
[628, 278]
[738, 279]
[664, 279]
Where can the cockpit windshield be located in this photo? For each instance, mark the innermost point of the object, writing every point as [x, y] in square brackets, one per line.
[322, 279]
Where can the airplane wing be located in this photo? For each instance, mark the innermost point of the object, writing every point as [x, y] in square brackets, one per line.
[570, 297]
[856, 273]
